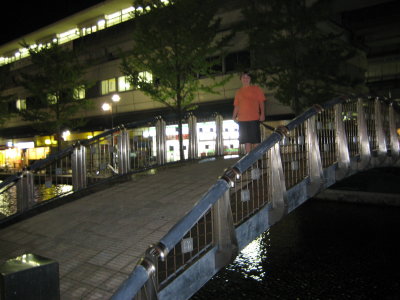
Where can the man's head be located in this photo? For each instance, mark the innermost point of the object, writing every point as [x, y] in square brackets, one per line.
[245, 78]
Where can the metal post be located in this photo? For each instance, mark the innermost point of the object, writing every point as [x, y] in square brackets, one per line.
[124, 165]
[277, 186]
[342, 148]
[314, 158]
[219, 140]
[193, 142]
[364, 148]
[78, 161]
[25, 192]
[161, 141]
[394, 139]
[379, 133]
[224, 232]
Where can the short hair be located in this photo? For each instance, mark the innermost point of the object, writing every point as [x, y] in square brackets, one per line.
[245, 73]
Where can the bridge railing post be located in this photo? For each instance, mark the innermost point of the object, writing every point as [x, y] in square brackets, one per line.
[379, 133]
[364, 148]
[394, 139]
[193, 141]
[161, 141]
[314, 158]
[78, 163]
[124, 152]
[219, 140]
[25, 191]
[277, 184]
[342, 147]
[224, 232]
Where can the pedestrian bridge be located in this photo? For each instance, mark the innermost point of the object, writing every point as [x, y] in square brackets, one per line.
[295, 162]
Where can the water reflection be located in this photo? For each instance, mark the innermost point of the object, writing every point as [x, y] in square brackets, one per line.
[249, 261]
[322, 250]
[8, 203]
[43, 192]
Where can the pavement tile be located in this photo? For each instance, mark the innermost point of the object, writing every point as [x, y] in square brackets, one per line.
[99, 239]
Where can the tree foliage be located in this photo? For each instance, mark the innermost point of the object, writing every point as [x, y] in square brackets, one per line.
[5, 100]
[296, 54]
[53, 85]
[175, 43]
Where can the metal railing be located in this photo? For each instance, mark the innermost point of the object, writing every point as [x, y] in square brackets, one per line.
[126, 149]
[321, 146]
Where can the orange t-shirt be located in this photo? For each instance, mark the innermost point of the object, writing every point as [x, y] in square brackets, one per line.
[248, 100]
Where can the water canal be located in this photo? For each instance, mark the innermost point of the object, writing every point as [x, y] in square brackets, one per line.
[322, 250]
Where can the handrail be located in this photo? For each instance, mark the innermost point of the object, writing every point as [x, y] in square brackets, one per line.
[216, 192]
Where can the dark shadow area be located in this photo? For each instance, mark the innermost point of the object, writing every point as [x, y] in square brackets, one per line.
[378, 180]
[322, 250]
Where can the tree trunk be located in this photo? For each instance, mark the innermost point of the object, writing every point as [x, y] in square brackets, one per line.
[180, 136]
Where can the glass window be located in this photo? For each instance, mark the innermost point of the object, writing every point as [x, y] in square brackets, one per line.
[146, 76]
[21, 104]
[52, 98]
[79, 93]
[108, 86]
[124, 84]
[237, 61]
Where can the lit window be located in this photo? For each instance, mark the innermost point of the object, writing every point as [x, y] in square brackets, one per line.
[124, 84]
[21, 104]
[52, 98]
[101, 24]
[68, 35]
[145, 76]
[79, 93]
[108, 86]
[113, 19]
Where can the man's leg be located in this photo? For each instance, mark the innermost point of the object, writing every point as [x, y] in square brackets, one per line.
[248, 147]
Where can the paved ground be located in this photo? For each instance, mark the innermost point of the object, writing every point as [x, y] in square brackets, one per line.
[98, 239]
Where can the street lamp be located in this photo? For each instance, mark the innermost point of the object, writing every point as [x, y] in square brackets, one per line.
[115, 98]
[110, 107]
[107, 107]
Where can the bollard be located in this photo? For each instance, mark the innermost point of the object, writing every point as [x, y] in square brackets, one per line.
[193, 141]
[25, 192]
[78, 165]
[124, 165]
[161, 141]
[29, 276]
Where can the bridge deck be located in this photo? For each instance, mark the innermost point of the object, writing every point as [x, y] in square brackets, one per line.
[98, 239]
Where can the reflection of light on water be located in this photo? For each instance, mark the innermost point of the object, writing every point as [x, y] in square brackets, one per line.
[46, 193]
[43, 192]
[8, 204]
[249, 260]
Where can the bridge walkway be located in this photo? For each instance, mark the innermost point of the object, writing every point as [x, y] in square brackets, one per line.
[98, 239]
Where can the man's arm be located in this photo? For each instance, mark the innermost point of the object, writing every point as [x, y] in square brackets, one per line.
[262, 111]
[235, 113]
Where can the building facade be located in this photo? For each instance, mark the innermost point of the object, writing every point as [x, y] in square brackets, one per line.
[101, 33]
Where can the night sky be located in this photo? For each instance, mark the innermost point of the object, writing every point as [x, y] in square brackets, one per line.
[29, 16]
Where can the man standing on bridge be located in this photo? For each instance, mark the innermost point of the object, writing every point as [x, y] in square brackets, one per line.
[249, 112]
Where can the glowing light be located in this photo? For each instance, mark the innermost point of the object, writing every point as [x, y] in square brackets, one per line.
[47, 141]
[25, 145]
[101, 23]
[128, 10]
[115, 98]
[66, 134]
[106, 107]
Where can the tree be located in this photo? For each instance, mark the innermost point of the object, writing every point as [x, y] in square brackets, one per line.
[297, 55]
[55, 85]
[175, 43]
[5, 100]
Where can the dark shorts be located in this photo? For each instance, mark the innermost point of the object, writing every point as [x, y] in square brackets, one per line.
[249, 132]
